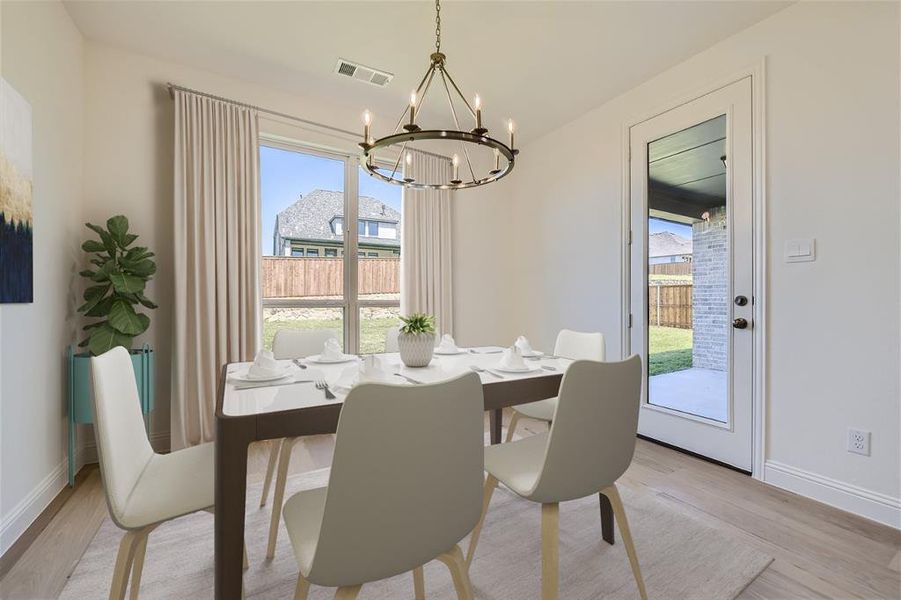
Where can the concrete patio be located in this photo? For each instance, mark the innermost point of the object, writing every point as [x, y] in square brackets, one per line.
[701, 392]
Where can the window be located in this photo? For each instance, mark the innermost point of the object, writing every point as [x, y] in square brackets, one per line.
[298, 187]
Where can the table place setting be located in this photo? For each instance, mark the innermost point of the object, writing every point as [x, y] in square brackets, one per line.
[265, 371]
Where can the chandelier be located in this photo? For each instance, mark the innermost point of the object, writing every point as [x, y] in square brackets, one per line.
[467, 171]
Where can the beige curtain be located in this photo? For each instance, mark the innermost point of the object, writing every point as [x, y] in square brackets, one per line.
[217, 255]
[426, 282]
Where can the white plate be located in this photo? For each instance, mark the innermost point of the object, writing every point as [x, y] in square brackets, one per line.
[534, 354]
[247, 377]
[526, 369]
[317, 358]
[457, 351]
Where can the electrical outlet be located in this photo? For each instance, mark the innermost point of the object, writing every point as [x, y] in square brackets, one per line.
[859, 441]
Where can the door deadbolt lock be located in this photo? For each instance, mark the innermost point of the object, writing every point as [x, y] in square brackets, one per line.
[740, 323]
[741, 300]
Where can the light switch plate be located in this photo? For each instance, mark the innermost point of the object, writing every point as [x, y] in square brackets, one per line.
[801, 250]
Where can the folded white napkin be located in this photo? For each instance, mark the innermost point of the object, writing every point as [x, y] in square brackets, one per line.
[264, 365]
[447, 344]
[331, 350]
[512, 358]
[370, 370]
[524, 346]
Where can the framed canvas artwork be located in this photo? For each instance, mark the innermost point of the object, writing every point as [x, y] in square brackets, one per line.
[16, 268]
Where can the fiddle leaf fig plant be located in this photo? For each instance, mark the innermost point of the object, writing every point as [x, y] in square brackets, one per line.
[418, 323]
[121, 272]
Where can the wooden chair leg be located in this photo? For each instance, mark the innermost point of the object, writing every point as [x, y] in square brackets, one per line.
[246, 560]
[490, 484]
[550, 550]
[138, 562]
[303, 588]
[512, 427]
[349, 592]
[418, 583]
[275, 447]
[459, 572]
[278, 499]
[124, 559]
[606, 519]
[620, 513]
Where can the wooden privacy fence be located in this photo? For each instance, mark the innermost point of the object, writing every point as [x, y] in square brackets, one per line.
[289, 277]
[670, 305]
[679, 268]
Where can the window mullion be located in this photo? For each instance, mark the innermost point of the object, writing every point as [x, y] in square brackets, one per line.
[351, 264]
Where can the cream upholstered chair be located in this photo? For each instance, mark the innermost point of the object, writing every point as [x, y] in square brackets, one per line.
[143, 489]
[405, 488]
[288, 343]
[570, 344]
[391, 339]
[589, 446]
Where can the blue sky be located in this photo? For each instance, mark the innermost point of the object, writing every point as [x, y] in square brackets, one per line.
[286, 175]
[658, 225]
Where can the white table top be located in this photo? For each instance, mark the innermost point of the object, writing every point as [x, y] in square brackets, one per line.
[275, 398]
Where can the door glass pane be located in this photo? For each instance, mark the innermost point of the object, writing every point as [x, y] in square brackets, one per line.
[375, 321]
[302, 213]
[688, 271]
[275, 318]
[380, 240]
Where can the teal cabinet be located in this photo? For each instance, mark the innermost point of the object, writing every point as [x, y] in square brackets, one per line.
[81, 409]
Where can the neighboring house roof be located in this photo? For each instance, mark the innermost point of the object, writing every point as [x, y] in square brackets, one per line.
[666, 243]
[310, 218]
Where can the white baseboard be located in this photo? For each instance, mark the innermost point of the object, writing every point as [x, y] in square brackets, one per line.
[29, 508]
[851, 498]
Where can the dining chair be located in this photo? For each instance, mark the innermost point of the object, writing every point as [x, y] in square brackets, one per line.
[588, 447]
[287, 343]
[576, 345]
[391, 339]
[405, 488]
[143, 489]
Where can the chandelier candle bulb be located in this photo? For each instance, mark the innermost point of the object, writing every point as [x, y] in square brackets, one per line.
[367, 121]
[408, 168]
[412, 108]
[456, 162]
[497, 162]
[478, 105]
[510, 128]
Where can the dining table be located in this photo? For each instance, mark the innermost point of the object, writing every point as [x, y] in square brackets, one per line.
[295, 406]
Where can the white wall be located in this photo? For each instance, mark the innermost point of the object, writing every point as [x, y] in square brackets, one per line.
[42, 59]
[832, 102]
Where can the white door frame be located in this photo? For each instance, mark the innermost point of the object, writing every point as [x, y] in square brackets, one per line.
[757, 73]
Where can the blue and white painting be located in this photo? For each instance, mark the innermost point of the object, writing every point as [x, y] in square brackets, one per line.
[16, 268]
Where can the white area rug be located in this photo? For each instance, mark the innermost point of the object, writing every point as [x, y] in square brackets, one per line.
[681, 558]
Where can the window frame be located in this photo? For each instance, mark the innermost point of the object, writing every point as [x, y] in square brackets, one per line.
[350, 302]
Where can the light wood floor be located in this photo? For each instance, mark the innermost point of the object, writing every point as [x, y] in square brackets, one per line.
[820, 552]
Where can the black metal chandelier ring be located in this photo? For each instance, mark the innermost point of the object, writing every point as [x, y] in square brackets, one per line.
[396, 177]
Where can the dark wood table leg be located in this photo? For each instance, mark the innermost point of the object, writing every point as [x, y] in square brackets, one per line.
[495, 423]
[606, 519]
[233, 436]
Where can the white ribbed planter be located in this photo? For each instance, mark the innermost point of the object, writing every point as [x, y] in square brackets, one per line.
[416, 349]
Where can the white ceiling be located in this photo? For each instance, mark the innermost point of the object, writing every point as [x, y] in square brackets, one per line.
[543, 63]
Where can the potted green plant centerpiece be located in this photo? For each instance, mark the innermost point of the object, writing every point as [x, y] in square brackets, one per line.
[416, 340]
[115, 298]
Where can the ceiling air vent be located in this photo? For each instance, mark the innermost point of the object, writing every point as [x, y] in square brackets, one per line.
[362, 73]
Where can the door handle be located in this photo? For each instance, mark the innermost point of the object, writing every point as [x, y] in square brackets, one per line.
[740, 323]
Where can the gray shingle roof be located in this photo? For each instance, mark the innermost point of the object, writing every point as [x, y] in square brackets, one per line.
[310, 218]
[665, 243]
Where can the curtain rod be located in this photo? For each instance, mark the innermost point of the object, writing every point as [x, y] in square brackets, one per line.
[172, 87]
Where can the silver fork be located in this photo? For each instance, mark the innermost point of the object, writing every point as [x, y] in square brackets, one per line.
[481, 370]
[322, 385]
[297, 362]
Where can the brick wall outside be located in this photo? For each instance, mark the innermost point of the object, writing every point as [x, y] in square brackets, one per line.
[710, 272]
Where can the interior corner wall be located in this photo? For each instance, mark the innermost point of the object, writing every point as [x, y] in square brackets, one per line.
[832, 164]
[42, 58]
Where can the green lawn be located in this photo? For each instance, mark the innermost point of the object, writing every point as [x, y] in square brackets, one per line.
[669, 349]
[371, 340]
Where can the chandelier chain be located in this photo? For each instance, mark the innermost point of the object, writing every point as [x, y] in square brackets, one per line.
[438, 25]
